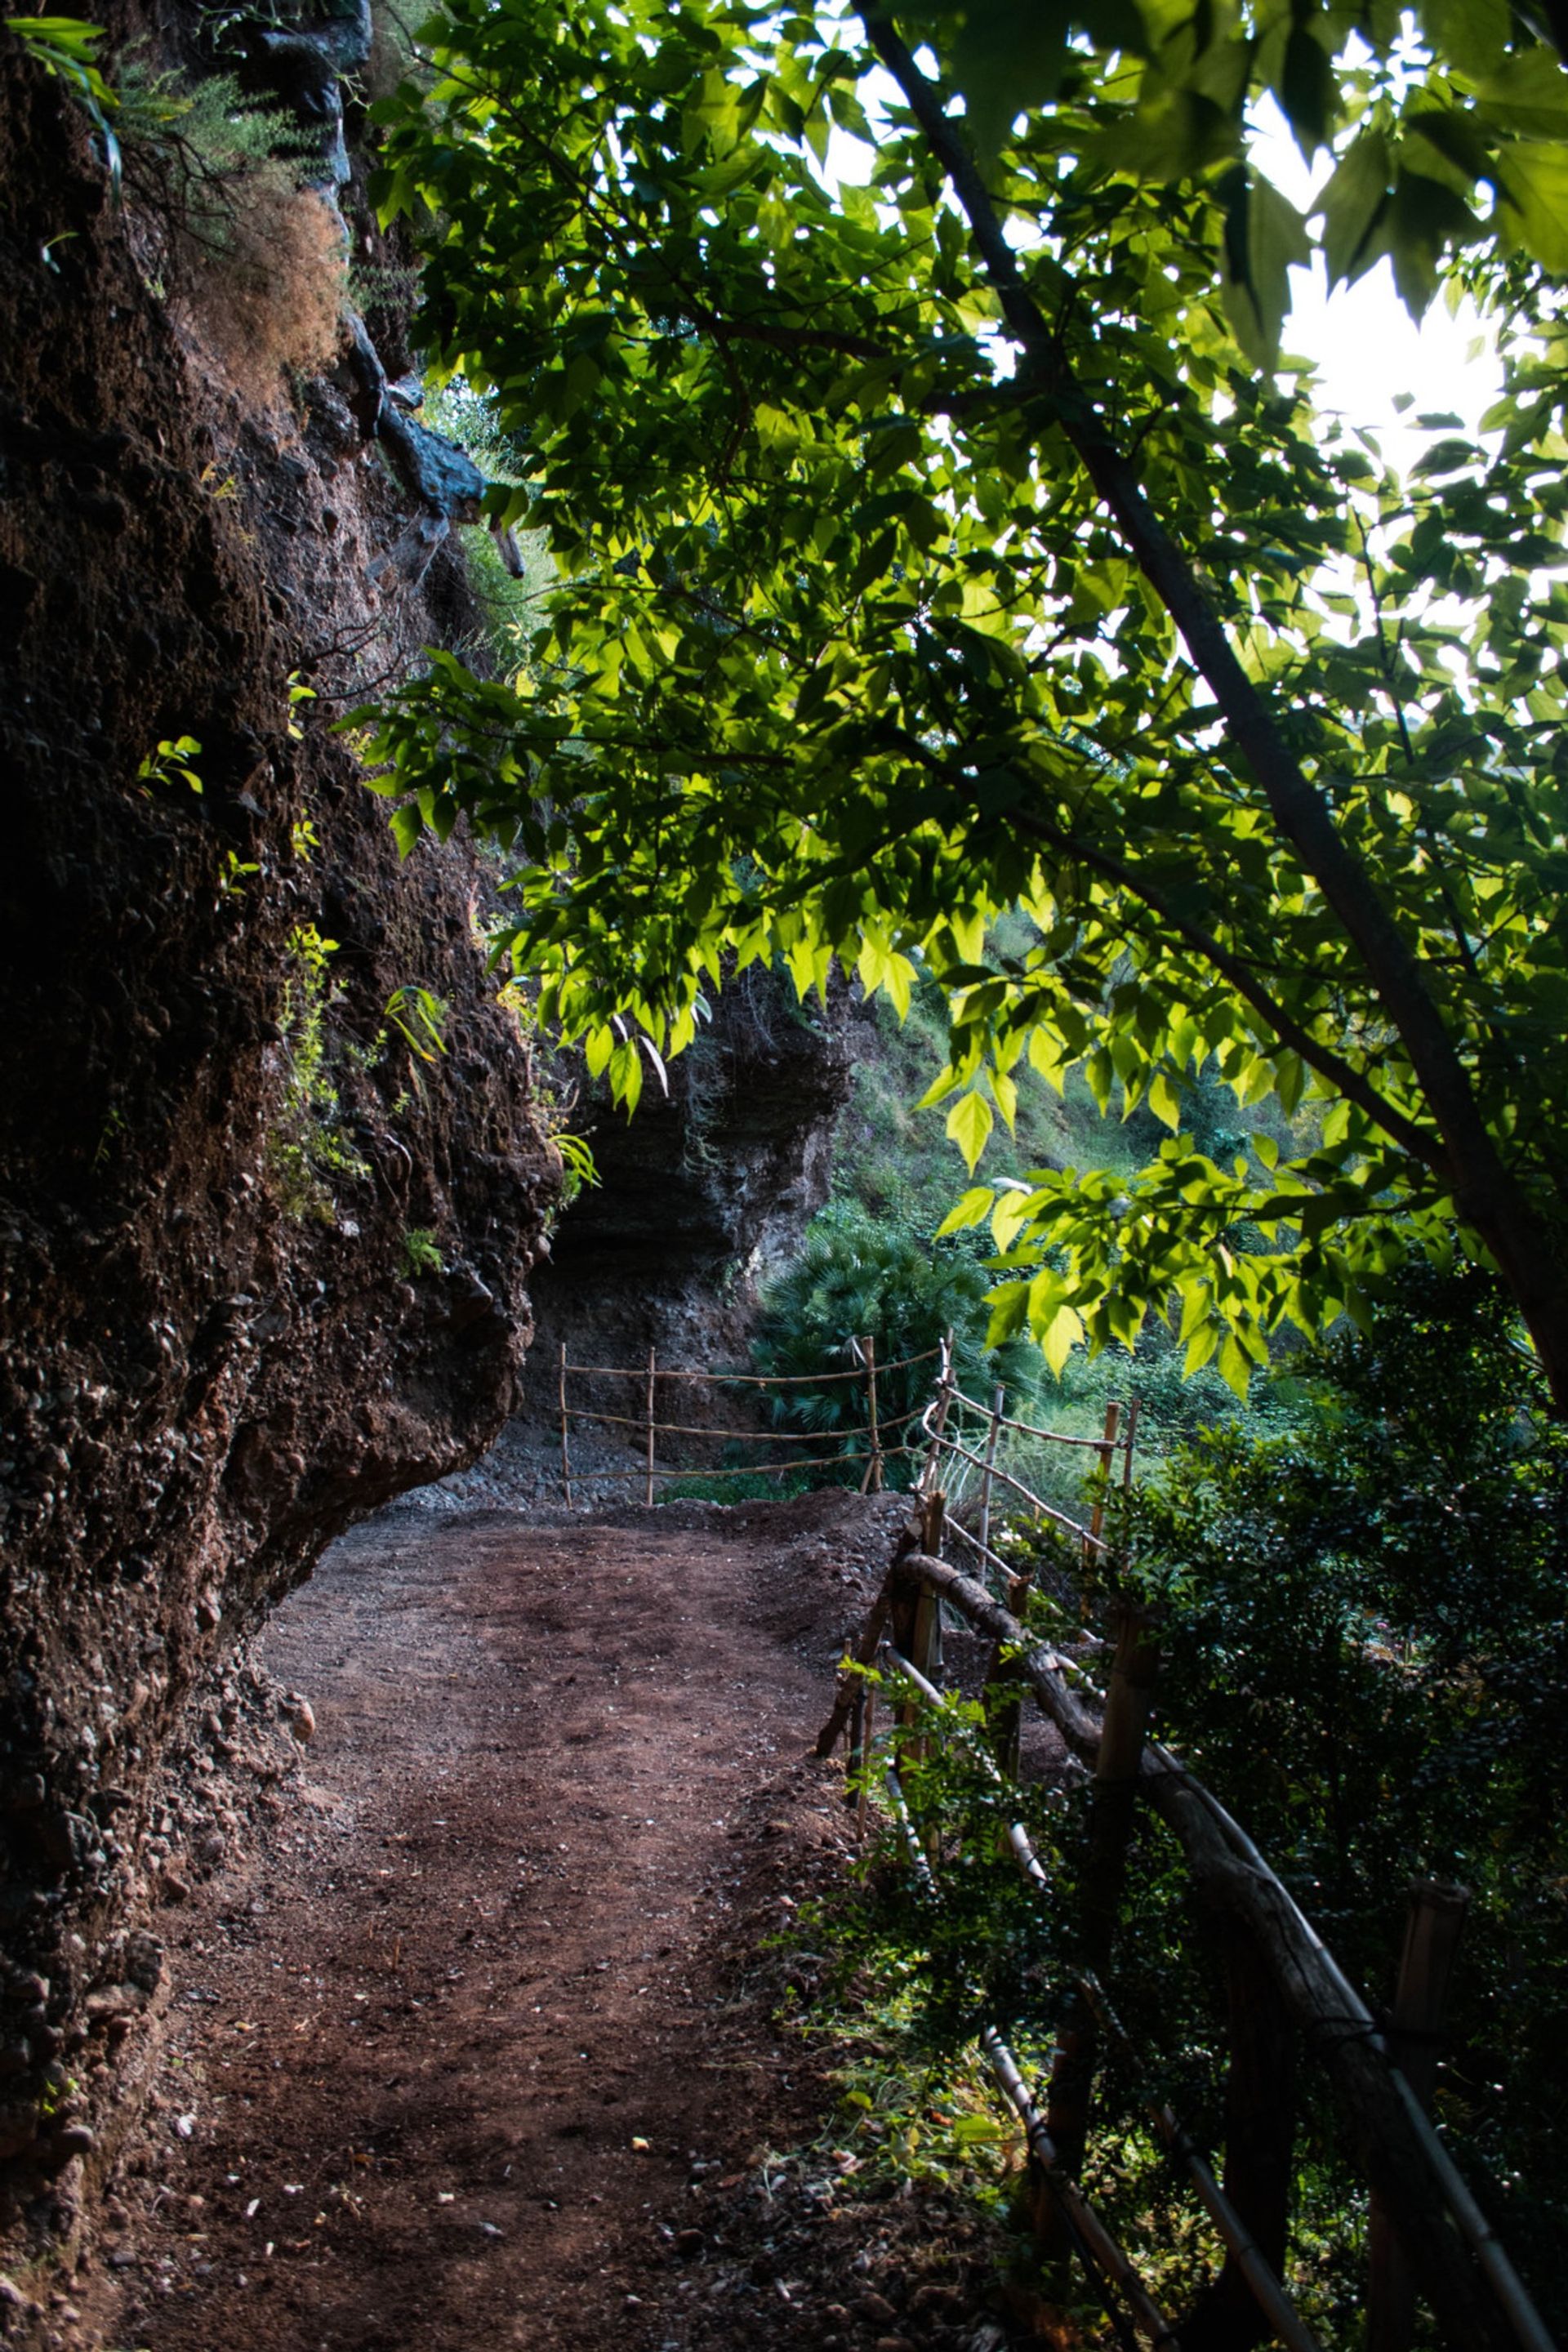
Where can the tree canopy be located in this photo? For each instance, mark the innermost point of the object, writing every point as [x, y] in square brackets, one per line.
[939, 531]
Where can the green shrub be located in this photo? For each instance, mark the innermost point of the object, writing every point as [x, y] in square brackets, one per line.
[856, 1274]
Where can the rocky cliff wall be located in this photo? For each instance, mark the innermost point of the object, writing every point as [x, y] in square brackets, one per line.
[699, 1194]
[261, 1264]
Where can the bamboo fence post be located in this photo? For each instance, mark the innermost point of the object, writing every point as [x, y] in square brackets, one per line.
[565, 1454]
[1129, 1442]
[1432, 1927]
[1006, 1714]
[872, 1481]
[933, 1529]
[1107, 1455]
[1129, 1692]
[998, 1403]
[944, 1386]
[652, 1377]
[867, 1736]
[914, 1637]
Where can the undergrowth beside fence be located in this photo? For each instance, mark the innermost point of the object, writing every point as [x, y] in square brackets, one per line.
[1364, 1656]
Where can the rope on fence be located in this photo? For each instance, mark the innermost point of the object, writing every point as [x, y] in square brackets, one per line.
[748, 1379]
[1031, 1429]
[751, 1436]
[753, 1469]
[866, 1369]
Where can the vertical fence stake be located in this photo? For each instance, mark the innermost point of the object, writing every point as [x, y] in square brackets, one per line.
[1129, 1442]
[1260, 2130]
[652, 1377]
[1107, 1455]
[872, 1482]
[855, 1762]
[998, 1402]
[1432, 1929]
[1128, 1695]
[934, 1534]
[565, 1455]
[944, 1385]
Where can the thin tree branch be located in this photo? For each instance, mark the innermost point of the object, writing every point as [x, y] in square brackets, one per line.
[1487, 1193]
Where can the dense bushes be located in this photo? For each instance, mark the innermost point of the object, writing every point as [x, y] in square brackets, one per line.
[860, 1272]
[1364, 1654]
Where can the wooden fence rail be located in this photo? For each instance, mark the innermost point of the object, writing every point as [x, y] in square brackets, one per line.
[1446, 2247]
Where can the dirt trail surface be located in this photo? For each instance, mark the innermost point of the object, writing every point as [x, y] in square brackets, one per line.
[559, 1786]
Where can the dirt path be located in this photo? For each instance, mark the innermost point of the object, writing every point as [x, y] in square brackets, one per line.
[419, 2045]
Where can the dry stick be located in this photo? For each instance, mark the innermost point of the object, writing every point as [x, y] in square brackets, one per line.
[910, 1536]
[913, 1632]
[566, 1457]
[1259, 2128]
[744, 1469]
[1389, 2137]
[931, 1511]
[754, 1380]
[867, 1736]
[1434, 1923]
[956, 1528]
[1086, 1536]
[933, 1420]
[1031, 1428]
[855, 1760]
[919, 1861]
[696, 1429]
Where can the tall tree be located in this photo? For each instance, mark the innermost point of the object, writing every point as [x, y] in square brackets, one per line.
[951, 538]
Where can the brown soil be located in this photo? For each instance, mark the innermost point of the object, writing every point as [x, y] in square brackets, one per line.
[480, 2053]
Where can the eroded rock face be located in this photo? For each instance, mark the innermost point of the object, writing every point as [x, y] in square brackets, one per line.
[261, 1264]
[700, 1194]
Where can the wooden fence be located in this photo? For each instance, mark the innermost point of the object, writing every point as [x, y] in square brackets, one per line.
[1427, 2233]
[888, 1436]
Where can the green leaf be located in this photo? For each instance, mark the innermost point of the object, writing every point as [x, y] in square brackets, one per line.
[1533, 182]
[1264, 235]
[977, 2131]
[1352, 206]
[1423, 218]
[972, 1209]
[1471, 34]
[1307, 90]
[1059, 1336]
[969, 1123]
